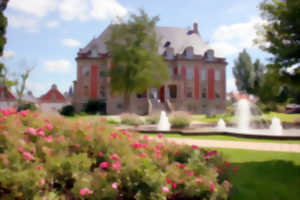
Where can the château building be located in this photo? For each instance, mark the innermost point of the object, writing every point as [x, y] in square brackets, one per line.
[197, 83]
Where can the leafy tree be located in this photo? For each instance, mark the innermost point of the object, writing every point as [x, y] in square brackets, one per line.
[248, 75]
[137, 66]
[281, 37]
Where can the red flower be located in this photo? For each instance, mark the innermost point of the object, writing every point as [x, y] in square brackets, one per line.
[100, 154]
[212, 186]
[168, 180]
[236, 169]
[159, 135]
[195, 147]
[114, 135]
[226, 163]
[174, 185]
[114, 157]
[104, 165]
[210, 153]
[116, 166]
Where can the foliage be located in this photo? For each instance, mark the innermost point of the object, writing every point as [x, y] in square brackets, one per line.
[95, 106]
[247, 74]
[137, 65]
[153, 119]
[68, 110]
[180, 119]
[27, 106]
[52, 158]
[131, 119]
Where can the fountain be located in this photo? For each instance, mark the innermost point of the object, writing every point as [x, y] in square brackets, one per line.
[221, 124]
[163, 124]
[276, 127]
[243, 115]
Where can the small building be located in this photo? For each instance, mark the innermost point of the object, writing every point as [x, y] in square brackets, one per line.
[30, 98]
[7, 99]
[52, 101]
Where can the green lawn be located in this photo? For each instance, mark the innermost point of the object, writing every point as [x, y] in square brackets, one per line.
[230, 138]
[229, 118]
[264, 175]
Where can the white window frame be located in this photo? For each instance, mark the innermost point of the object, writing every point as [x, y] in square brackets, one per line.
[217, 75]
[190, 73]
[203, 74]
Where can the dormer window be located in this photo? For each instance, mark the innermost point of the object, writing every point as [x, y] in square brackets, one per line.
[94, 53]
[209, 55]
[170, 53]
[189, 52]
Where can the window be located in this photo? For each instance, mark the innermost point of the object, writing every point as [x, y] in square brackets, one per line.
[86, 70]
[189, 92]
[102, 73]
[169, 54]
[173, 91]
[102, 92]
[189, 53]
[203, 74]
[217, 75]
[86, 91]
[171, 71]
[217, 95]
[190, 73]
[203, 94]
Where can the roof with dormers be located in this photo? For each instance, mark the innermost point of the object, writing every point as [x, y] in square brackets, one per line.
[6, 96]
[177, 38]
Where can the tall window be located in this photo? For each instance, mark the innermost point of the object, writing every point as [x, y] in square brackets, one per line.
[86, 91]
[217, 75]
[171, 71]
[189, 52]
[190, 73]
[86, 70]
[203, 74]
[204, 93]
[173, 91]
[189, 92]
[169, 53]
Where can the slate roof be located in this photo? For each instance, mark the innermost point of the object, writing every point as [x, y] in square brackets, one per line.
[179, 39]
[59, 98]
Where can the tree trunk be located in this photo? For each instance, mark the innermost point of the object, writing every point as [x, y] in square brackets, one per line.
[126, 100]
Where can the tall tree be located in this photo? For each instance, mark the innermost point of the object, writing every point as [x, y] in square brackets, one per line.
[137, 66]
[247, 74]
[281, 37]
[21, 85]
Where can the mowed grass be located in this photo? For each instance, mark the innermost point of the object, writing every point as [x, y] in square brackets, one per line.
[230, 118]
[264, 175]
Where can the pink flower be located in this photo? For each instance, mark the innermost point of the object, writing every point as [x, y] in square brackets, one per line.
[40, 132]
[210, 153]
[85, 191]
[236, 169]
[60, 139]
[4, 132]
[48, 139]
[195, 147]
[114, 157]
[116, 166]
[212, 186]
[27, 156]
[199, 180]
[114, 135]
[104, 165]
[5, 112]
[174, 185]
[159, 135]
[180, 165]
[42, 181]
[115, 185]
[20, 149]
[24, 113]
[143, 155]
[49, 127]
[226, 163]
[1, 120]
[31, 131]
[168, 180]
[165, 189]
[100, 154]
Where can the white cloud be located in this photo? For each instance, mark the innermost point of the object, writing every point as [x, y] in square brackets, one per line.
[74, 9]
[37, 88]
[52, 24]
[70, 42]
[38, 8]
[230, 39]
[7, 55]
[23, 22]
[103, 9]
[61, 66]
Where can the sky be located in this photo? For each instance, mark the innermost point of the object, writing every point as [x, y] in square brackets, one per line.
[46, 34]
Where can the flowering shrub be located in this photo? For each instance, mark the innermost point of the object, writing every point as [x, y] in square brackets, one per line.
[131, 119]
[180, 119]
[153, 119]
[54, 158]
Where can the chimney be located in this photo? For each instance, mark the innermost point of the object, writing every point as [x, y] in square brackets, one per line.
[196, 28]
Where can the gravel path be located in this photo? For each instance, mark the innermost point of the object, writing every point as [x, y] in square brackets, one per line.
[279, 147]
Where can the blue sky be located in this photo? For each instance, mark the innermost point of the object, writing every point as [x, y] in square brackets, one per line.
[47, 34]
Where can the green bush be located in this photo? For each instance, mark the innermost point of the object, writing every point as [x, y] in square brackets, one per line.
[94, 107]
[27, 106]
[68, 110]
[131, 119]
[180, 119]
[54, 158]
[153, 119]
